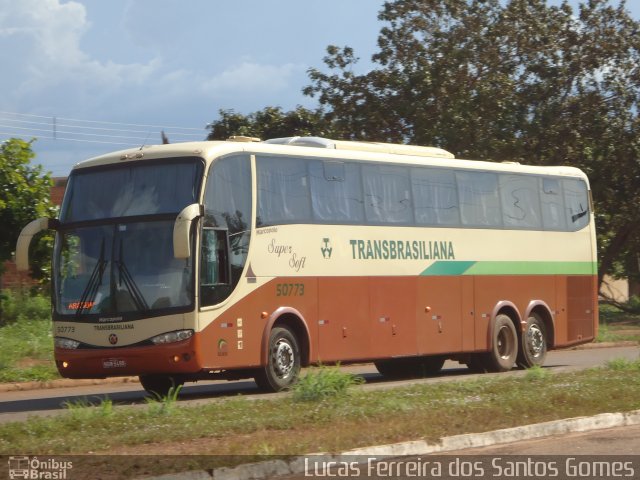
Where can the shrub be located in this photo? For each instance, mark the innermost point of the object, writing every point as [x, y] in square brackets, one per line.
[20, 306]
[324, 382]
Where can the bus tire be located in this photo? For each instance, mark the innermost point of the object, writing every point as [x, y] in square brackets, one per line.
[476, 363]
[504, 345]
[389, 368]
[533, 346]
[283, 362]
[159, 385]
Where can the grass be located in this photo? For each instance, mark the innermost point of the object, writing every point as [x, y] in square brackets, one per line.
[323, 382]
[27, 351]
[616, 325]
[238, 426]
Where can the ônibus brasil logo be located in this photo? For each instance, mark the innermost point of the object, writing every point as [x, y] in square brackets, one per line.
[27, 467]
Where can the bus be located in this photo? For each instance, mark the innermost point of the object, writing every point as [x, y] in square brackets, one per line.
[251, 259]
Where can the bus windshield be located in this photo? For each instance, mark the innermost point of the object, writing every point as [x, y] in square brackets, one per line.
[114, 248]
[122, 268]
[130, 189]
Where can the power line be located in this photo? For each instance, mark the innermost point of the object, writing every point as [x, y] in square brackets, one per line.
[105, 129]
[101, 121]
[86, 131]
[82, 140]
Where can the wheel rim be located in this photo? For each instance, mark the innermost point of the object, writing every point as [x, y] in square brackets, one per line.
[535, 340]
[505, 343]
[283, 359]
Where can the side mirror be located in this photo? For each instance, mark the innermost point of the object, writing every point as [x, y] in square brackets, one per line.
[181, 229]
[25, 237]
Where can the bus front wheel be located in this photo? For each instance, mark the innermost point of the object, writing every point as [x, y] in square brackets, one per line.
[283, 362]
[533, 347]
[504, 345]
[159, 385]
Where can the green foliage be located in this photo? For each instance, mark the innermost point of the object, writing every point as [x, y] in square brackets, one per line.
[19, 306]
[324, 382]
[536, 373]
[24, 196]
[271, 122]
[27, 344]
[83, 409]
[622, 364]
[163, 404]
[283, 426]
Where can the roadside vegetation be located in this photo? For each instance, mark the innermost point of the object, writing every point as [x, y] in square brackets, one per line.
[617, 325]
[27, 343]
[25, 337]
[240, 430]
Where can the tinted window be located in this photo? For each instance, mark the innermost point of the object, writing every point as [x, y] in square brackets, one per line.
[387, 194]
[435, 197]
[227, 227]
[336, 192]
[479, 203]
[520, 201]
[283, 191]
[552, 204]
[134, 188]
[576, 201]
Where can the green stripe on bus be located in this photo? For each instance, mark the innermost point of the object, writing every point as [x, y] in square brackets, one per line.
[510, 268]
[448, 268]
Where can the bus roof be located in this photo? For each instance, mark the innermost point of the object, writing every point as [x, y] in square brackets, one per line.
[321, 147]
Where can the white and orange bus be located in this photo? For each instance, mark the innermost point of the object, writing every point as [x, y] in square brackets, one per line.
[243, 258]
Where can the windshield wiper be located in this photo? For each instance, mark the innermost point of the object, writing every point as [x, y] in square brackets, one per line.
[95, 280]
[129, 282]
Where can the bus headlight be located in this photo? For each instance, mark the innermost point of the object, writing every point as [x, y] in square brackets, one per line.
[171, 337]
[66, 343]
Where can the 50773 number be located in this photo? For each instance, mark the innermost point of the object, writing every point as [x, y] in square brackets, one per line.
[289, 289]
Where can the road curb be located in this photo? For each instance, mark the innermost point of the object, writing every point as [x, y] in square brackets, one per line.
[296, 465]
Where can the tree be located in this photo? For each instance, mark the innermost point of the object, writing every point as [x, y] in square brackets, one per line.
[271, 122]
[24, 196]
[516, 80]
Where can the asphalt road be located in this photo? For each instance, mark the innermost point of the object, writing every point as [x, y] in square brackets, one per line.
[19, 405]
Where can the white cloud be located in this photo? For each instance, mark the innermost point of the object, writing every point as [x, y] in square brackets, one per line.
[249, 76]
[45, 37]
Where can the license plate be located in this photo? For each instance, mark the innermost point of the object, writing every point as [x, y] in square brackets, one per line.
[114, 363]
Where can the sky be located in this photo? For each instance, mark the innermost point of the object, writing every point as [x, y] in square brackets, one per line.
[86, 77]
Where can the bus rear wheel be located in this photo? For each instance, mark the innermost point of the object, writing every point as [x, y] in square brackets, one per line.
[504, 345]
[533, 346]
[283, 362]
[159, 385]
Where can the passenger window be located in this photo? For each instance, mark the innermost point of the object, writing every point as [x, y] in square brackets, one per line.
[479, 202]
[283, 191]
[387, 194]
[553, 217]
[520, 202]
[576, 200]
[336, 192]
[435, 197]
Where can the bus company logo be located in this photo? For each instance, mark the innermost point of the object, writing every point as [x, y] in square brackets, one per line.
[326, 248]
[113, 339]
[223, 348]
[26, 467]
